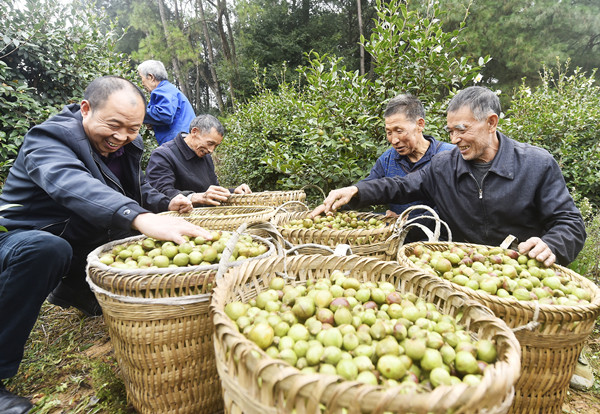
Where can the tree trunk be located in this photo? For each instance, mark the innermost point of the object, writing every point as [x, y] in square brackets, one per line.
[360, 32]
[211, 59]
[175, 61]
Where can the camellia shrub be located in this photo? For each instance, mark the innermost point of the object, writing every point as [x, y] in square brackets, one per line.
[562, 115]
[326, 127]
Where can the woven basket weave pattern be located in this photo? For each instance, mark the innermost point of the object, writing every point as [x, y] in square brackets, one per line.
[226, 218]
[165, 351]
[548, 353]
[266, 198]
[255, 383]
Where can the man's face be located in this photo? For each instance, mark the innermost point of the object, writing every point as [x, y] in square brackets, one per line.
[203, 144]
[148, 82]
[475, 139]
[403, 134]
[115, 124]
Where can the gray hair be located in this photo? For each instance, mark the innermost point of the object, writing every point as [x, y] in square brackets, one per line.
[406, 104]
[153, 67]
[481, 101]
[205, 123]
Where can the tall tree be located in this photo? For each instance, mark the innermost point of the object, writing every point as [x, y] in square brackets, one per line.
[175, 60]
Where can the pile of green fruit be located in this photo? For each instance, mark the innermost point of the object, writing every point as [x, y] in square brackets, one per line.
[501, 272]
[337, 221]
[151, 253]
[367, 332]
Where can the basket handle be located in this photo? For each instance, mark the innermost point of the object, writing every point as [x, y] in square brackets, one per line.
[317, 187]
[403, 225]
[228, 251]
[291, 203]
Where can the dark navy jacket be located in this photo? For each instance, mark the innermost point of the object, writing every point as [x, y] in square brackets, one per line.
[65, 188]
[169, 112]
[174, 168]
[523, 194]
[392, 164]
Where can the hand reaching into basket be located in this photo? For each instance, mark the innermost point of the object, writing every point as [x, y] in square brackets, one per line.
[242, 189]
[335, 200]
[537, 249]
[168, 228]
[213, 196]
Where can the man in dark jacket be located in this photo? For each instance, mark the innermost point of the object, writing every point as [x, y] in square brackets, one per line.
[486, 188]
[76, 184]
[185, 165]
[410, 150]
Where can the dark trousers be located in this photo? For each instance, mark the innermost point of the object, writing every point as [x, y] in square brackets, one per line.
[32, 263]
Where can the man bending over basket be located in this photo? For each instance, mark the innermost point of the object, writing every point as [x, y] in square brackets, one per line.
[487, 187]
[185, 165]
[75, 185]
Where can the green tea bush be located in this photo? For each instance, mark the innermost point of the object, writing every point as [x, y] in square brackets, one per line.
[562, 115]
[326, 128]
[588, 260]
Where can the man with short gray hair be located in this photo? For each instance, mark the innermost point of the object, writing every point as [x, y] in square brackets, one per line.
[168, 112]
[185, 166]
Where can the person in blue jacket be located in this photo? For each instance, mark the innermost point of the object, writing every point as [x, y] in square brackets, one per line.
[404, 118]
[169, 112]
[76, 184]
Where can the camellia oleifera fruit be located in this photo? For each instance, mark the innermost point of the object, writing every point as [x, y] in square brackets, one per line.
[362, 331]
[151, 253]
[337, 221]
[501, 272]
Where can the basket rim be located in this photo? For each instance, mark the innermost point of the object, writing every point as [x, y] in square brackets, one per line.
[532, 305]
[502, 366]
[205, 212]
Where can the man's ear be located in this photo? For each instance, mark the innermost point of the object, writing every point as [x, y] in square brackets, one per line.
[85, 107]
[421, 124]
[492, 123]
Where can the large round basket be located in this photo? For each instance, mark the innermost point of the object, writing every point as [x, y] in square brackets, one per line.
[266, 198]
[227, 217]
[161, 331]
[255, 383]
[550, 350]
[381, 243]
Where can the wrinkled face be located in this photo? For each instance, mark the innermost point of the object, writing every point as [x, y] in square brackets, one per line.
[203, 144]
[148, 82]
[115, 124]
[403, 134]
[475, 139]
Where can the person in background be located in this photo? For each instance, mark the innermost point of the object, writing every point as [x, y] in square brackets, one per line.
[185, 165]
[75, 185]
[404, 118]
[169, 112]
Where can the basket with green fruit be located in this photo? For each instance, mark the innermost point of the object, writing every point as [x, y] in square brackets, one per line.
[266, 198]
[155, 301]
[331, 334]
[552, 309]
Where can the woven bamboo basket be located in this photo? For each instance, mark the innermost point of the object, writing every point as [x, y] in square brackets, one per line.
[266, 198]
[550, 350]
[254, 383]
[226, 217]
[383, 244]
[161, 331]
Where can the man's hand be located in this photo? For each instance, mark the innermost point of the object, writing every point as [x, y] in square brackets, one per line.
[535, 248]
[213, 196]
[168, 227]
[242, 189]
[390, 213]
[181, 204]
[335, 200]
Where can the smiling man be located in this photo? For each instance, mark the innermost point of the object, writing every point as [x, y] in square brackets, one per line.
[404, 118]
[486, 188]
[75, 185]
[185, 166]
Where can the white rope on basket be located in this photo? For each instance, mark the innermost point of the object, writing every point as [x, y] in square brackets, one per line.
[403, 225]
[171, 301]
[531, 325]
